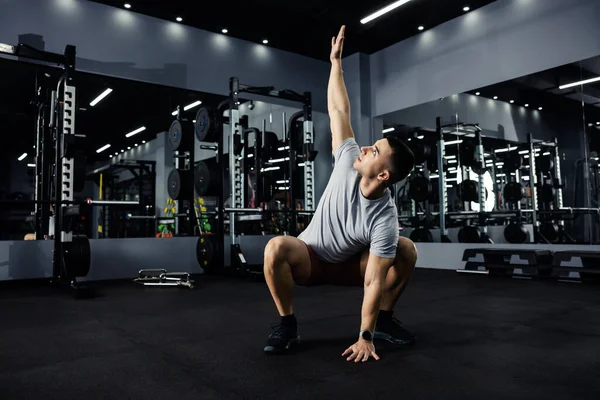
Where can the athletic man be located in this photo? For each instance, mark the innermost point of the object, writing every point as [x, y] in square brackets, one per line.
[353, 238]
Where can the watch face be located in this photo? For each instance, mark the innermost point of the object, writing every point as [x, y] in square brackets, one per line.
[366, 335]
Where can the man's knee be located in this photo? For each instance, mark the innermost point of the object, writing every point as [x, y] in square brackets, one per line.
[406, 253]
[275, 250]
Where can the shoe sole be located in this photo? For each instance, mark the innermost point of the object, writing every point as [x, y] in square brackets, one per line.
[391, 339]
[290, 345]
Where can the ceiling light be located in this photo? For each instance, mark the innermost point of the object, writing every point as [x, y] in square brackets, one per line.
[512, 101]
[597, 123]
[194, 104]
[579, 83]
[22, 156]
[135, 145]
[421, 27]
[138, 130]
[265, 41]
[466, 8]
[526, 105]
[127, 5]
[143, 141]
[100, 97]
[101, 149]
[540, 108]
[179, 19]
[128, 147]
[31, 165]
[477, 94]
[116, 153]
[384, 10]
[495, 97]
[388, 130]
[224, 31]
[122, 151]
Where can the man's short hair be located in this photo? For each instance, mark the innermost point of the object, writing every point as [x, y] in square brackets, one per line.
[402, 161]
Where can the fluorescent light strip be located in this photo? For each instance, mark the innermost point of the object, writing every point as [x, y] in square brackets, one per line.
[384, 10]
[101, 149]
[22, 157]
[31, 165]
[453, 142]
[99, 98]
[189, 106]
[130, 134]
[579, 83]
[388, 130]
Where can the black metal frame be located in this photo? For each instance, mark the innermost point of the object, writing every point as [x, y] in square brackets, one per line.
[60, 120]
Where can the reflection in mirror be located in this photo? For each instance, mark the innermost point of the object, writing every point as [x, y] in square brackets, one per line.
[132, 148]
[588, 88]
[511, 157]
[119, 143]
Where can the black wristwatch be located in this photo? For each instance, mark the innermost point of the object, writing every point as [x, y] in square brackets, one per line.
[366, 335]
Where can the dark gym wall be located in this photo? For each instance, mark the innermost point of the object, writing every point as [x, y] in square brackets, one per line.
[501, 41]
[117, 42]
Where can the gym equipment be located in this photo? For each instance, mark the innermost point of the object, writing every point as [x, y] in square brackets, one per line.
[512, 161]
[208, 124]
[421, 235]
[513, 192]
[206, 178]
[56, 158]
[181, 134]
[468, 190]
[160, 277]
[588, 272]
[176, 184]
[516, 233]
[547, 193]
[550, 231]
[497, 262]
[421, 150]
[545, 164]
[77, 256]
[469, 234]
[207, 251]
[419, 188]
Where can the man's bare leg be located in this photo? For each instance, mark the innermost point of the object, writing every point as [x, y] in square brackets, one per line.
[286, 263]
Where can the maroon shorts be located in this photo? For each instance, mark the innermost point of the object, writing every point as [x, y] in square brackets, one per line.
[346, 273]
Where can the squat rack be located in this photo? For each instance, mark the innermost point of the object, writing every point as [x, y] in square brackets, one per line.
[237, 140]
[57, 161]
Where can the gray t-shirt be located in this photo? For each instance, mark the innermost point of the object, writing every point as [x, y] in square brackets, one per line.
[345, 222]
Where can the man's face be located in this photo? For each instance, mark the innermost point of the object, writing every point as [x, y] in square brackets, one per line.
[373, 160]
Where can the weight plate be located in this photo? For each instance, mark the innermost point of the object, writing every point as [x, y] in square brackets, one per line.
[77, 258]
[205, 180]
[516, 233]
[175, 135]
[206, 251]
[419, 188]
[207, 125]
[174, 184]
[181, 135]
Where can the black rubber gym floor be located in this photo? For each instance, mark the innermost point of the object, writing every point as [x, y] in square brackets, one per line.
[476, 339]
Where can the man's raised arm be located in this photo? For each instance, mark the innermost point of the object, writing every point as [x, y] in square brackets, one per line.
[337, 97]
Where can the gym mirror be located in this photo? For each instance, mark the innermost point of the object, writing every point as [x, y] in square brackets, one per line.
[490, 137]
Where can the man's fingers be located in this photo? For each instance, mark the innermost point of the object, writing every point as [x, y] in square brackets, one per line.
[348, 350]
[333, 41]
[366, 357]
[375, 356]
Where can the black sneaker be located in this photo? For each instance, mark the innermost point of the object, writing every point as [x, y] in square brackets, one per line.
[393, 332]
[282, 339]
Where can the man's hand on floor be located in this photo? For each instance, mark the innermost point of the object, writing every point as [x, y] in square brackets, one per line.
[361, 351]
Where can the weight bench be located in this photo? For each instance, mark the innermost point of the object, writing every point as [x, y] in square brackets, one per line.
[497, 262]
[588, 272]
